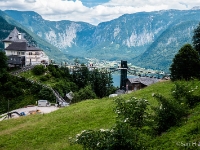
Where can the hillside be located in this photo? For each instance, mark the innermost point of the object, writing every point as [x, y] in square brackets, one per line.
[52, 131]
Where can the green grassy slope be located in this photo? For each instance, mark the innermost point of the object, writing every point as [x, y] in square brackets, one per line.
[52, 131]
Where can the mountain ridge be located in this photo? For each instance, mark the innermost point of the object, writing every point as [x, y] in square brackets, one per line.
[129, 37]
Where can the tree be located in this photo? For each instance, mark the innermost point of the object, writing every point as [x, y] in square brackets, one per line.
[38, 70]
[3, 64]
[83, 94]
[185, 64]
[81, 76]
[196, 39]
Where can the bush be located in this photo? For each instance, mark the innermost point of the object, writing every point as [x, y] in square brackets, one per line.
[126, 134]
[83, 94]
[133, 111]
[45, 77]
[46, 94]
[184, 93]
[38, 70]
[168, 113]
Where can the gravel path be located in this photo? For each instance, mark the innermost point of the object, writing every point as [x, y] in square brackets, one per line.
[29, 110]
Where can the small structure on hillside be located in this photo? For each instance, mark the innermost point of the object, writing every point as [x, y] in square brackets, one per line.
[70, 96]
[134, 84]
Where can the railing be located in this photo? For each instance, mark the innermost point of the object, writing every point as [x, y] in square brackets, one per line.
[59, 98]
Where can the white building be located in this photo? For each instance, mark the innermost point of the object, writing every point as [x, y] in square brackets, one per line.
[20, 53]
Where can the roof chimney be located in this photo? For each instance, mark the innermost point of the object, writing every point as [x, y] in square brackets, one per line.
[19, 36]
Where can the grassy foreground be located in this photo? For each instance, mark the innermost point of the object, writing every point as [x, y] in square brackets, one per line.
[52, 131]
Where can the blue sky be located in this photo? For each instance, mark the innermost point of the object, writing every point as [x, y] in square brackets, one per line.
[93, 11]
[92, 3]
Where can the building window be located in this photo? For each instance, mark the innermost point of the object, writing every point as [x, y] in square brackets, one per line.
[30, 53]
[22, 53]
[18, 53]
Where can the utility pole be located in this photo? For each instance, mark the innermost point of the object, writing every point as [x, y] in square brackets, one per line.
[8, 105]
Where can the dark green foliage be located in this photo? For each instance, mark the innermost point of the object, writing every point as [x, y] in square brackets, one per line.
[65, 87]
[21, 92]
[55, 71]
[101, 83]
[184, 93]
[45, 77]
[126, 134]
[39, 70]
[185, 64]
[83, 94]
[133, 111]
[196, 39]
[47, 95]
[3, 64]
[168, 113]
[120, 137]
[81, 76]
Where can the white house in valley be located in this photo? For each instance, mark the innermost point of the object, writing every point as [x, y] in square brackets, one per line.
[20, 53]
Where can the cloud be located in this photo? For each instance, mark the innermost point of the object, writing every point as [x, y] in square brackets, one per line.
[77, 10]
[30, 1]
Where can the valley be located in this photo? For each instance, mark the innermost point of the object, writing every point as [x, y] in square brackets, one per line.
[146, 39]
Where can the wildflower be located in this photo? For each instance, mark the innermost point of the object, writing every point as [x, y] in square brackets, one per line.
[126, 120]
[77, 135]
[102, 130]
[83, 131]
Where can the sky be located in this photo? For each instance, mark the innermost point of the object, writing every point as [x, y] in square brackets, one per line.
[93, 11]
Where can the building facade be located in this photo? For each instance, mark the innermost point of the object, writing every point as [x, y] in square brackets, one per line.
[20, 53]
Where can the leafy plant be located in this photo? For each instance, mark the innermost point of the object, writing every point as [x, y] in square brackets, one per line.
[39, 70]
[126, 134]
[168, 113]
[186, 64]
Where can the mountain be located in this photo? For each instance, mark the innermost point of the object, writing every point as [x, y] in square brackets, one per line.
[7, 24]
[146, 39]
[68, 36]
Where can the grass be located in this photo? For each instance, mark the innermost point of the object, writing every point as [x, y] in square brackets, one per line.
[52, 131]
[29, 75]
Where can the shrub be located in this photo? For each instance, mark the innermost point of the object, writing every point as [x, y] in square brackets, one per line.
[45, 77]
[83, 94]
[126, 134]
[168, 113]
[132, 111]
[38, 70]
[46, 94]
[184, 93]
